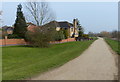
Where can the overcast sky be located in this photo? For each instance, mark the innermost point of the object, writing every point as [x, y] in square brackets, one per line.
[93, 16]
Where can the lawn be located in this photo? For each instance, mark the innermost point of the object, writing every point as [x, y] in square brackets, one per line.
[114, 45]
[20, 62]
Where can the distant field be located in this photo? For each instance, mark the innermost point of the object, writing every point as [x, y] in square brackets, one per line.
[20, 62]
[114, 45]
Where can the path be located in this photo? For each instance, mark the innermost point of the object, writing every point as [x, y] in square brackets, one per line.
[96, 63]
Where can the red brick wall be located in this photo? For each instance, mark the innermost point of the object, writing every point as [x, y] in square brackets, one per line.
[22, 41]
[12, 41]
[65, 40]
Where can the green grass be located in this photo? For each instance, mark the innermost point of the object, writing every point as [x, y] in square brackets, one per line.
[21, 62]
[114, 45]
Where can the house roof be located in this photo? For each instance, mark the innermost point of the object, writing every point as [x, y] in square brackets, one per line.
[52, 24]
[55, 24]
[29, 23]
[71, 24]
[64, 24]
[5, 28]
[31, 27]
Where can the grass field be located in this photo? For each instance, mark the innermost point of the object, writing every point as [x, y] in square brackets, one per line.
[114, 45]
[20, 62]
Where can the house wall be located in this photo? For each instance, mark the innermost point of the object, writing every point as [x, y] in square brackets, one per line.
[76, 32]
[71, 31]
[57, 28]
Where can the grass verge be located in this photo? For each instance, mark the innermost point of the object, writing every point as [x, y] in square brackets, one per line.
[114, 45]
[20, 62]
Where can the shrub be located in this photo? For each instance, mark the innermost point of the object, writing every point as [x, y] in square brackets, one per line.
[80, 33]
[40, 37]
[13, 36]
[59, 35]
[85, 35]
[65, 32]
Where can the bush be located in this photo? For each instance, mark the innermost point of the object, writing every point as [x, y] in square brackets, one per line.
[59, 35]
[80, 33]
[13, 36]
[65, 32]
[85, 35]
[40, 37]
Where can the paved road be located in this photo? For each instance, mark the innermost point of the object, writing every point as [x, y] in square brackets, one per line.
[96, 63]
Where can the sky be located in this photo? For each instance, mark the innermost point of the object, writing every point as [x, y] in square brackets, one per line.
[93, 16]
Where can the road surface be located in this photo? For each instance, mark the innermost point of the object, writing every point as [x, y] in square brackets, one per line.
[96, 63]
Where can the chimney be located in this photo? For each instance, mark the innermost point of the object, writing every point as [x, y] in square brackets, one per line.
[74, 25]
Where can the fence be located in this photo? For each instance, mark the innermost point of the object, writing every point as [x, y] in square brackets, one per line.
[22, 41]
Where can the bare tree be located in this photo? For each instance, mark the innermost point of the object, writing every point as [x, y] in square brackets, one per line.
[0, 15]
[1, 18]
[0, 12]
[39, 13]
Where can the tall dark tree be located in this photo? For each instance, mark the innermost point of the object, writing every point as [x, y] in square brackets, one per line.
[20, 23]
[80, 29]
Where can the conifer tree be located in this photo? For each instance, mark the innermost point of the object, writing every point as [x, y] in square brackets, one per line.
[80, 29]
[20, 26]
